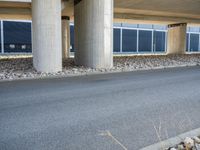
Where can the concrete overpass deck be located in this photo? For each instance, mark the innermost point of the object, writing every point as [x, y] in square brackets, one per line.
[152, 11]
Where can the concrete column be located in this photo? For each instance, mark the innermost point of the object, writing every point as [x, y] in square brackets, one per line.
[46, 29]
[177, 34]
[65, 37]
[94, 33]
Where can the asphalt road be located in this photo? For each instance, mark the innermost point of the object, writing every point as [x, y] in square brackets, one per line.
[99, 112]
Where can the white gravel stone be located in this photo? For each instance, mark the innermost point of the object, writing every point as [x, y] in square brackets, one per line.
[189, 143]
[181, 147]
[18, 68]
[197, 147]
[172, 148]
[196, 139]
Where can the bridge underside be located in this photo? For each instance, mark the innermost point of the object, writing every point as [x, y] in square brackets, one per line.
[93, 25]
[152, 11]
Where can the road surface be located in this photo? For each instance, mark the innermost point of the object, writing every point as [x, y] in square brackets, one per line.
[99, 112]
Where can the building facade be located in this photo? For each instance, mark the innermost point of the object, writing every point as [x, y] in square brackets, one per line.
[16, 38]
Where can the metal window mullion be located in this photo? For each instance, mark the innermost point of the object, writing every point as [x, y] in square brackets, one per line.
[2, 38]
[166, 40]
[193, 32]
[137, 40]
[199, 42]
[189, 50]
[152, 41]
[121, 43]
[14, 20]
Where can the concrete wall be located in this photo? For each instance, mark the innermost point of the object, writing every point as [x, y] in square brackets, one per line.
[46, 28]
[94, 33]
[177, 35]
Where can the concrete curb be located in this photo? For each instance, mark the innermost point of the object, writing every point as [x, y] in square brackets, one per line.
[172, 141]
[94, 73]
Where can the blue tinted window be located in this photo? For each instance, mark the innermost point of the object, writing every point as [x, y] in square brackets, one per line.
[159, 41]
[72, 38]
[17, 36]
[194, 42]
[145, 41]
[129, 40]
[116, 40]
[187, 42]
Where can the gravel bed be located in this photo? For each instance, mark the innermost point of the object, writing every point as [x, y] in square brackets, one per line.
[20, 68]
[187, 144]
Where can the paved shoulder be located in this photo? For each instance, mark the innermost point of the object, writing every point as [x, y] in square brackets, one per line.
[113, 111]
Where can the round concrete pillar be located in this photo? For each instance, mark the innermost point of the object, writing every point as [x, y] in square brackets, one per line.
[177, 35]
[46, 29]
[94, 33]
[65, 37]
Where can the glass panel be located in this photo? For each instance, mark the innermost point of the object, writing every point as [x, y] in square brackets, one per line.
[129, 40]
[72, 38]
[160, 27]
[146, 26]
[188, 29]
[129, 25]
[159, 41]
[117, 24]
[194, 42]
[145, 41]
[194, 29]
[17, 37]
[116, 40]
[187, 42]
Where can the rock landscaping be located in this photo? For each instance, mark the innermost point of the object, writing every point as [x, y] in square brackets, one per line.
[22, 68]
[187, 144]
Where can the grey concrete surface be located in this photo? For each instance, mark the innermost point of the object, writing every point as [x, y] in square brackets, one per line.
[65, 37]
[46, 35]
[151, 11]
[177, 38]
[93, 31]
[172, 142]
[75, 113]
